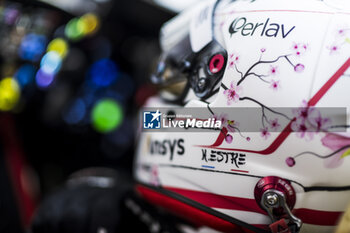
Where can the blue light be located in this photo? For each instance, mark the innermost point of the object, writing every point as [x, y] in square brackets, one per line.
[104, 72]
[51, 62]
[32, 47]
[44, 79]
[25, 74]
[75, 112]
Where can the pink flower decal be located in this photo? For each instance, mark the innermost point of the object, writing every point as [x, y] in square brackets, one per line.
[333, 48]
[273, 70]
[308, 121]
[229, 138]
[299, 126]
[335, 142]
[341, 37]
[233, 60]
[299, 68]
[290, 161]
[275, 85]
[232, 125]
[225, 123]
[223, 118]
[265, 133]
[302, 112]
[317, 121]
[274, 125]
[232, 93]
[341, 32]
[262, 50]
[299, 48]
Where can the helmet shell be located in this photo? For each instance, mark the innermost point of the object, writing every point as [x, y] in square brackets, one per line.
[280, 53]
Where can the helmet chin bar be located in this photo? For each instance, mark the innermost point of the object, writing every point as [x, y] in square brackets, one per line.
[277, 197]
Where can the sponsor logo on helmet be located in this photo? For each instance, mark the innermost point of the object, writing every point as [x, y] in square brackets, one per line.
[245, 28]
[167, 147]
[238, 159]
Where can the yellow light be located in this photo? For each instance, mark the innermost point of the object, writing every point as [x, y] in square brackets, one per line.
[58, 45]
[9, 93]
[91, 23]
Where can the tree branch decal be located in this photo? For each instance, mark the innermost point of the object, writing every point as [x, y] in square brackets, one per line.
[234, 91]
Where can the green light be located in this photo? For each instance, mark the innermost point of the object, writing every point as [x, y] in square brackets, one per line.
[74, 29]
[106, 115]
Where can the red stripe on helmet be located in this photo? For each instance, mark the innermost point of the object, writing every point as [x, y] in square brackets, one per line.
[309, 216]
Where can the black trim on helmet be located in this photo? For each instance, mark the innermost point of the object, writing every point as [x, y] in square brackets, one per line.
[204, 208]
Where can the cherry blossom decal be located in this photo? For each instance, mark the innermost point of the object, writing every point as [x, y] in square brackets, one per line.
[297, 50]
[340, 146]
[274, 124]
[342, 38]
[264, 132]
[230, 126]
[232, 94]
[275, 85]
[233, 59]
[307, 122]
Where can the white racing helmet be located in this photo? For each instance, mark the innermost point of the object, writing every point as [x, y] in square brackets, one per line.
[286, 60]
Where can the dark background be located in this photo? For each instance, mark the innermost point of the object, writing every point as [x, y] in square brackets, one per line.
[53, 149]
